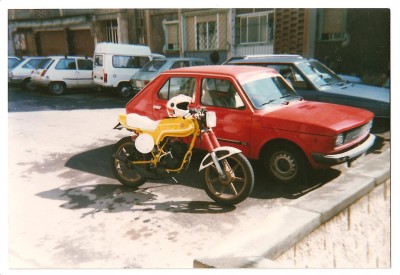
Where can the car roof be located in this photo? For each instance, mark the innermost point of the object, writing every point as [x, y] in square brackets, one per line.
[225, 70]
[67, 56]
[182, 59]
[255, 59]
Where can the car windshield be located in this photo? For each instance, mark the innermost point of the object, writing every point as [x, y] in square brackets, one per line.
[320, 75]
[153, 66]
[268, 90]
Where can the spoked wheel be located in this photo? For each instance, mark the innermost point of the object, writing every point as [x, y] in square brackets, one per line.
[124, 152]
[238, 182]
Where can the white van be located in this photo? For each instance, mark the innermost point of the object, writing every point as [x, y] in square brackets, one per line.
[114, 65]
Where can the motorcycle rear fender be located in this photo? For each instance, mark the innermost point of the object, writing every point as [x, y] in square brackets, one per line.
[222, 153]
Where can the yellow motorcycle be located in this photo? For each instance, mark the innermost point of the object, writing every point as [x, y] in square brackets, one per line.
[160, 149]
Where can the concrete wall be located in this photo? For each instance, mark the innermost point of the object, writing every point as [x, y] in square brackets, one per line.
[358, 237]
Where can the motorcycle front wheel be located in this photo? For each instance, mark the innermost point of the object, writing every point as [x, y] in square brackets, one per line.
[124, 152]
[237, 184]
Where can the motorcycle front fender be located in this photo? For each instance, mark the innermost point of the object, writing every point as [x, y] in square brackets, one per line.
[221, 152]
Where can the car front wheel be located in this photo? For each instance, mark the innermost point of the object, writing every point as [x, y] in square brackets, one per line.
[27, 85]
[285, 164]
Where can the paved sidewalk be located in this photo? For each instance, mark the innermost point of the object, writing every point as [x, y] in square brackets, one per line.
[272, 236]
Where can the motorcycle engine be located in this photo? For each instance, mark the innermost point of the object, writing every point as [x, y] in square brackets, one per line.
[175, 152]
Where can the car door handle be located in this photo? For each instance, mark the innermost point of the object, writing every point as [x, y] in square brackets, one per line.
[156, 107]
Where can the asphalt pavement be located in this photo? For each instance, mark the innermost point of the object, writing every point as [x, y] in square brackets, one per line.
[66, 210]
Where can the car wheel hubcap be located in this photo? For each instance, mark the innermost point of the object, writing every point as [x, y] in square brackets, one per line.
[283, 166]
[57, 88]
[125, 91]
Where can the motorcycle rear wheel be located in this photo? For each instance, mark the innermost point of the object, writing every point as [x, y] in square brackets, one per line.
[123, 152]
[238, 185]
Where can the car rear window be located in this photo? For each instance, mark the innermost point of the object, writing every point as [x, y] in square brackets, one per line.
[98, 60]
[45, 63]
[32, 64]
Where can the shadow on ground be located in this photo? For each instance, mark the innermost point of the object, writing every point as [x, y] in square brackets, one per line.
[113, 198]
[98, 162]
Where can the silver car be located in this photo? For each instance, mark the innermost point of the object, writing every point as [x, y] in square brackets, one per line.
[316, 82]
[157, 66]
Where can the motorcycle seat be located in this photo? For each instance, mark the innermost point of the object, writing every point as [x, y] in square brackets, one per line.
[141, 122]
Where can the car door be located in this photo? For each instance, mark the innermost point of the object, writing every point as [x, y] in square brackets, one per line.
[233, 118]
[85, 69]
[66, 71]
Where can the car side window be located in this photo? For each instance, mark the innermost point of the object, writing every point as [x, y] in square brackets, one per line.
[220, 93]
[180, 64]
[85, 64]
[198, 63]
[176, 86]
[66, 64]
[131, 62]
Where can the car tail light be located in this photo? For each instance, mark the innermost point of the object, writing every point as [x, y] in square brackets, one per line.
[105, 78]
[43, 72]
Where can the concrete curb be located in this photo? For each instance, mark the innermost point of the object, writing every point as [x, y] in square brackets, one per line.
[272, 236]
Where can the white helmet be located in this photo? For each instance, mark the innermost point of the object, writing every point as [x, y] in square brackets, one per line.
[178, 106]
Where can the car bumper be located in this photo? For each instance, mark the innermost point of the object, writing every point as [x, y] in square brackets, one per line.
[345, 156]
[14, 81]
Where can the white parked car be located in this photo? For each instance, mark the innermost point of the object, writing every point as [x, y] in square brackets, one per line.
[21, 73]
[58, 73]
[13, 61]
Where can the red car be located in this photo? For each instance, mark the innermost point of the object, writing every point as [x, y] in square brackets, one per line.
[259, 113]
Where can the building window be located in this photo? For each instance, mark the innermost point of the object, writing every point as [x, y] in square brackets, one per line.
[332, 24]
[205, 31]
[256, 28]
[112, 31]
[206, 35]
[20, 42]
[171, 31]
[39, 13]
[141, 30]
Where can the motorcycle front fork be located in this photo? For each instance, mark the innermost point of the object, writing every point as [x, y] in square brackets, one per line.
[211, 142]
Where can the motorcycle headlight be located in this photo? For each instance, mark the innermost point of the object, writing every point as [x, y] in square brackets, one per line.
[339, 139]
[211, 119]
